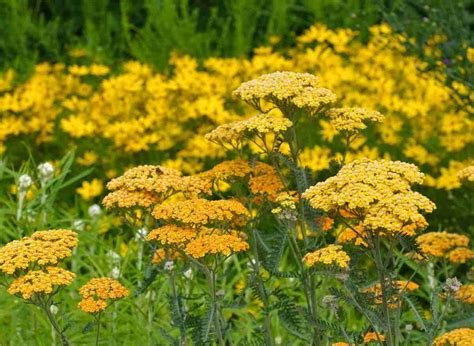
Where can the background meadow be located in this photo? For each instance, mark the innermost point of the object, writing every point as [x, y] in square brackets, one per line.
[98, 87]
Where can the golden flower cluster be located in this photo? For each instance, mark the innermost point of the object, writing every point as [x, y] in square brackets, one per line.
[42, 248]
[378, 193]
[286, 202]
[216, 243]
[99, 293]
[466, 175]
[401, 286]
[443, 244]
[466, 294]
[456, 337]
[228, 170]
[286, 89]
[202, 212]
[265, 181]
[258, 126]
[161, 255]
[352, 119]
[329, 255]
[147, 185]
[40, 282]
[200, 241]
[372, 336]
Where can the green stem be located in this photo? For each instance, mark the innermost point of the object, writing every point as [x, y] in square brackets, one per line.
[174, 295]
[383, 283]
[211, 278]
[97, 335]
[263, 291]
[54, 323]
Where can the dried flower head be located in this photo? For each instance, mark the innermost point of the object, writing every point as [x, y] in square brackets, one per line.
[40, 282]
[329, 255]
[451, 285]
[99, 293]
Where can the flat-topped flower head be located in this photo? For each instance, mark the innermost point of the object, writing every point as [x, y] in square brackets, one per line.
[329, 255]
[372, 336]
[262, 179]
[198, 242]
[439, 244]
[377, 193]
[202, 212]
[352, 120]
[399, 286]
[287, 90]
[99, 293]
[456, 337]
[38, 282]
[216, 242]
[255, 129]
[465, 294]
[172, 234]
[42, 248]
[228, 170]
[145, 186]
[466, 175]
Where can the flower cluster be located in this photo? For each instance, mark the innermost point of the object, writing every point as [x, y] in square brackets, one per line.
[99, 293]
[40, 282]
[443, 244]
[199, 241]
[42, 248]
[202, 212]
[258, 126]
[352, 119]
[286, 209]
[398, 286]
[456, 337]
[42, 251]
[147, 185]
[466, 175]
[377, 192]
[466, 294]
[329, 255]
[286, 89]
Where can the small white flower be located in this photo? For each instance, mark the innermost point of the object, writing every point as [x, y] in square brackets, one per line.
[188, 274]
[46, 171]
[141, 233]
[409, 327]
[94, 211]
[24, 182]
[54, 309]
[113, 257]
[220, 293]
[169, 265]
[278, 340]
[78, 225]
[251, 263]
[115, 273]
